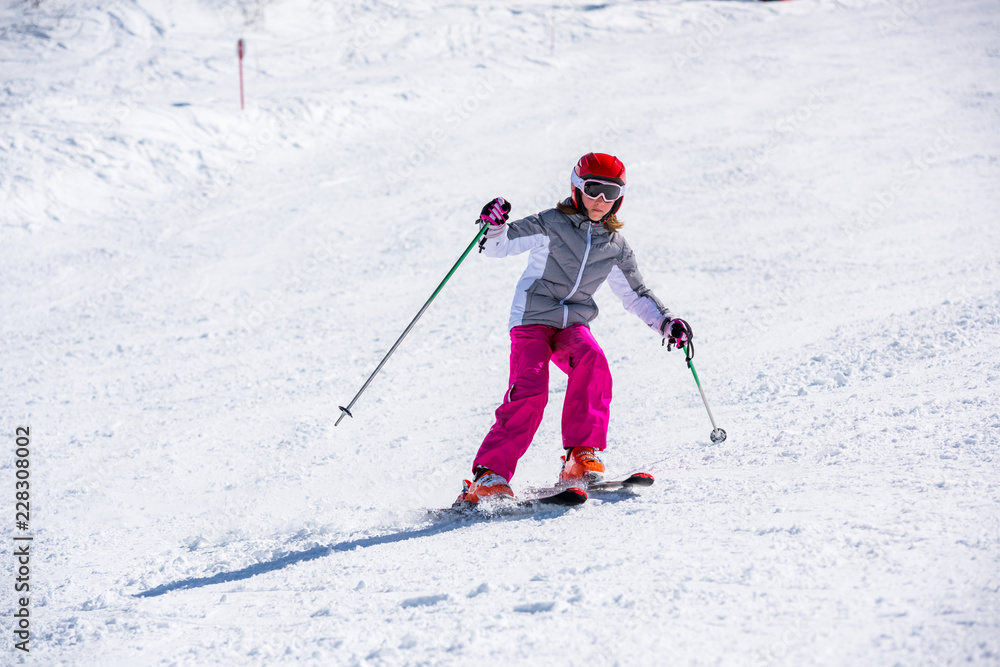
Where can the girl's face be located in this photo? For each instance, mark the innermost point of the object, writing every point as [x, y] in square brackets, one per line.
[596, 208]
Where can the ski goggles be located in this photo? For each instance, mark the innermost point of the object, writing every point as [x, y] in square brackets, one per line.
[594, 188]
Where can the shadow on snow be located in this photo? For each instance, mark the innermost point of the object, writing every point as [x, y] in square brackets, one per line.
[442, 524]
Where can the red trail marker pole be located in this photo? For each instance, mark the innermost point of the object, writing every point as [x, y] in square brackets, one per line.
[239, 52]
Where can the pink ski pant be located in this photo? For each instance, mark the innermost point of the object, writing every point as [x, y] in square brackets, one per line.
[588, 394]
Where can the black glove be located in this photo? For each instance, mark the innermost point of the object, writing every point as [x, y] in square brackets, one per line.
[496, 212]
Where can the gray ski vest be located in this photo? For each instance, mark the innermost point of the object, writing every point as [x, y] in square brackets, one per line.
[569, 259]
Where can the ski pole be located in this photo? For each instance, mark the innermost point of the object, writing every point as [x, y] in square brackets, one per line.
[718, 435]
[347, 411]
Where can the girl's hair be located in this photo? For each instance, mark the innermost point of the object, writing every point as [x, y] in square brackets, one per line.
[612, 224]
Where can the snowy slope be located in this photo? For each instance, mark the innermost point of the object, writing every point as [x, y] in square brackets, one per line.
[189, 292]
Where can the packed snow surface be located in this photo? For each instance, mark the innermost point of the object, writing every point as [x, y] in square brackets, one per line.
[190, 290]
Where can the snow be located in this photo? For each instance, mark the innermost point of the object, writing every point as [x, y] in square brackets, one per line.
[189, 292]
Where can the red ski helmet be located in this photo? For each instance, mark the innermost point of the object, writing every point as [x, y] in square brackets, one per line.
[598, 167]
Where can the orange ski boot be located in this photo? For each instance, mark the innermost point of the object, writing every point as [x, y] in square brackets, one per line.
[581, 463]
[486, 484]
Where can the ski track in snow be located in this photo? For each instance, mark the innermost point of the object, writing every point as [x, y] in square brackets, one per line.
[190, 292]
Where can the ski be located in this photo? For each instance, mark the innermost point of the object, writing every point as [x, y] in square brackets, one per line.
[629, 484]
[634, 481]
[568, 497]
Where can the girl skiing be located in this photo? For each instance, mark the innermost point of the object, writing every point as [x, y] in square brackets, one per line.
[573, 249]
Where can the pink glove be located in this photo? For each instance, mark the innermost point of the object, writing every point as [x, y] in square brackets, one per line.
[677, 332]
[495, 213]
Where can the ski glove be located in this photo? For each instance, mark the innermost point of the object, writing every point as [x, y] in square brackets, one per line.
[496, 212]
[676, 332]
